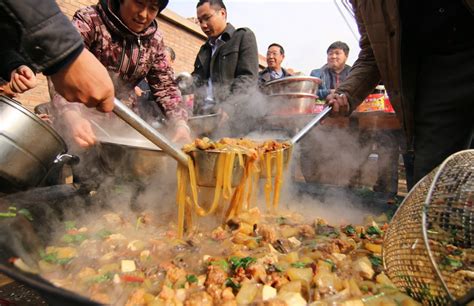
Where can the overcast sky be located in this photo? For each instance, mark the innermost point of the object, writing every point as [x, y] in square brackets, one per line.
[305, 28]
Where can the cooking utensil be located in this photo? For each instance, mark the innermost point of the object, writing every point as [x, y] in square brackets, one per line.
[206, 161]
[125, 156]
[29, 148]
[204, 124]
[292, 85]
[127, 115]
[435, 219]
[291, 104]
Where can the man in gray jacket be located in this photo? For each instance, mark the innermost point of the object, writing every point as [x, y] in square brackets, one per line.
[226, 66]
[37, 33]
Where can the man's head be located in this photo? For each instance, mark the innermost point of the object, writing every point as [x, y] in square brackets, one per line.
[337, 55]
[275, 55]
[212, 17]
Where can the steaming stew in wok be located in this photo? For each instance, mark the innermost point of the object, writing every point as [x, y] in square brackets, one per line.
[254, 258]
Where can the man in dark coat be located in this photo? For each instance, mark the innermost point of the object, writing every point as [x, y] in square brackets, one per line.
[423, 52]
[226, 66]
[37, 33]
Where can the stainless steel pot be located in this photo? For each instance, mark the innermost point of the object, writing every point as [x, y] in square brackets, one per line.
[28, 147]
[139, 159]
[291, 104]
[204, 124]
[292, 85]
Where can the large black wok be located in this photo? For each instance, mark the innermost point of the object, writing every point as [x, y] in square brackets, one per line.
[21, 237]
[50, 206]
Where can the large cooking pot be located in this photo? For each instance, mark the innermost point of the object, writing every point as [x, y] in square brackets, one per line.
[138, 158]
[29, 147]
[292, 85]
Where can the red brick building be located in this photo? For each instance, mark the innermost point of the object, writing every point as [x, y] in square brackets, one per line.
[181, 34]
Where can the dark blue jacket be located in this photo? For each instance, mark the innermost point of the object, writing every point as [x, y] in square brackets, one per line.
[328, 78]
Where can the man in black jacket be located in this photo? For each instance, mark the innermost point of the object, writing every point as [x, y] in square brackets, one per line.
[226, 67]
[37, 33]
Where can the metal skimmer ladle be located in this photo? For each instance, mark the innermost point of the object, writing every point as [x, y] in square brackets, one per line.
[205, 161]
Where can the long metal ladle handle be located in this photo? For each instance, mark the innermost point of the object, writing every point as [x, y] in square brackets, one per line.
[127, 115]
[310, 125]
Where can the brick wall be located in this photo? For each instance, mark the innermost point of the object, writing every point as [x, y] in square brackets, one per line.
[180, 34]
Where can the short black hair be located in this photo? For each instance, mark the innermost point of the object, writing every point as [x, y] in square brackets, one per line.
[282, 51]
[161, 4]
[339, 45]
[171, 52]
[215, 3]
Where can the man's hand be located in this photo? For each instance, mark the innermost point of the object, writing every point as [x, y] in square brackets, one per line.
[22, 79]
[86, 80]
[80, 129]
[340, 104]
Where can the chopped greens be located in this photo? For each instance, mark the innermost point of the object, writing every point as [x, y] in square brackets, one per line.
[230, 283]
[375, 260]
[350, 230]
[74, 238]
[191, 278]
[53, 258]
[241, 262]
[449, 263]
[374, 230]
[298, 264]
[69, 225]
[103, 234]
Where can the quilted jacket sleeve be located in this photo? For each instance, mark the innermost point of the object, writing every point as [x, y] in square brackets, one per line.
[40, 32]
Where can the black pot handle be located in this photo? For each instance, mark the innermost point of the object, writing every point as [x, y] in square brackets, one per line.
[66, 159]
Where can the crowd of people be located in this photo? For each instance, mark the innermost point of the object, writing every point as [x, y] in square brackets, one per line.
[115, 49]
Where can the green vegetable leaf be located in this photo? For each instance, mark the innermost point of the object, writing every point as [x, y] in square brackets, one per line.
[333, 265]
[191, 278]
[375, 260]
[230, 283]
[449, 263]
[53, 258]
[298, 264]
[26, 213]
[243, 263]
[374, 230]
[69, 225]
[350, 230]
[102, 278]
[74, 238]
[103, 233]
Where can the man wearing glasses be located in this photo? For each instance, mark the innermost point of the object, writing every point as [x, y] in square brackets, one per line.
[274, 70]
[226, 67]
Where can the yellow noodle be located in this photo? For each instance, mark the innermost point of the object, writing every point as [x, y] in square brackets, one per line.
[278, 178]
[268, 184]
[181, 198]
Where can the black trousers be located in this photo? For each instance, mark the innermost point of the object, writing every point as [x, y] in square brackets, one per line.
[444, 109]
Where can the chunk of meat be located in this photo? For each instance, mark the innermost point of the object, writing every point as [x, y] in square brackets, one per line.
[215, 276]
[267, 232]
[199, 298]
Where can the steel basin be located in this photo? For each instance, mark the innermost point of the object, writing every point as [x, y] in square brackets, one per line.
[204, 124]
[29, 147]
[292, 85]
[291, 104]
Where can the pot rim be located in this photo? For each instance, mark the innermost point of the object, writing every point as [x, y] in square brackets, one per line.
[128, 143]
[294, 95]
[294, 79]
[17, 105]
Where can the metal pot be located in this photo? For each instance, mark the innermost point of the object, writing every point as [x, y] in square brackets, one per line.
[291, 104]
[292, 85]
[204, 124]
[136, 158]
[29, 148]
